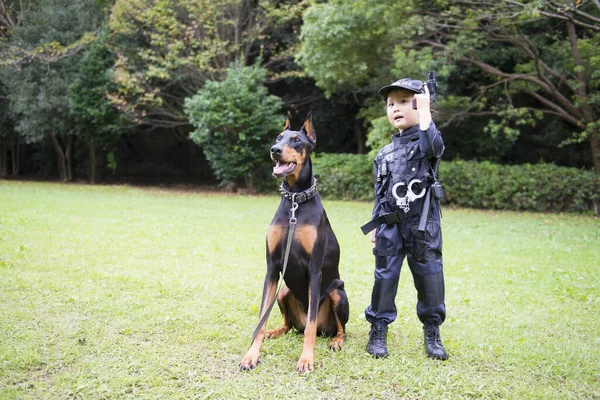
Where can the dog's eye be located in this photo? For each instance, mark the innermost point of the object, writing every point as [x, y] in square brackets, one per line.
[279, 138]
[296, 140]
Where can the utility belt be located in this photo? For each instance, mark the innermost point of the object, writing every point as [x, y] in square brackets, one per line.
[390, 218]
[405, 202]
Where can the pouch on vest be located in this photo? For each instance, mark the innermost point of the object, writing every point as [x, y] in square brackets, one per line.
[437, 190]
[436, 187]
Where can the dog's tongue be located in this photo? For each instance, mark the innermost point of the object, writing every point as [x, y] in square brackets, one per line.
[280, 167]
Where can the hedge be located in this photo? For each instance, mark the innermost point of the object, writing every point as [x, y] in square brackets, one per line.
[535, 187]
[344, 176]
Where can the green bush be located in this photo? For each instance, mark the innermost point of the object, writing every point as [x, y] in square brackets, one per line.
[234, 122]
[539, 187]
[344, 176]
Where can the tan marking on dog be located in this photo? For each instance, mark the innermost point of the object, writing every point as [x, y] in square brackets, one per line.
[310, 130]
[274, 237]
[287, 121]
[306, 235]
[335, 296]
[325, 309]
[275, 333]
[291, 155]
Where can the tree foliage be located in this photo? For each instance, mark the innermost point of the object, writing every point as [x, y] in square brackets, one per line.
[50, 46]
[518, 79]
[530, 55]
[511, 63]
[97, 121]
[38, 90]
[168, 49]
[234, 120]
[346, 45]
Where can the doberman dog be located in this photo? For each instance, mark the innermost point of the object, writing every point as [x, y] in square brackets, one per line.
[313, 299]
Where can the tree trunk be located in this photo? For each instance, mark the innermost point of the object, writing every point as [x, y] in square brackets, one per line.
[60, 157]
[68, 158]
[3, 160]
[16, 158]
[595, 147]
[359, 137]
[582, 93]
[93, 161]
[249, 181]
[63, 153]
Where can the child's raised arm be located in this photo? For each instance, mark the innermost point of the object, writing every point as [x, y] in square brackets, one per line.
[424, 108]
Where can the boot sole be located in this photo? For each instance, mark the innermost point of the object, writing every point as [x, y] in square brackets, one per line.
[378, 355]
[441, 358]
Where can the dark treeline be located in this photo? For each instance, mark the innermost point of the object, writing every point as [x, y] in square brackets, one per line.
[194, 91]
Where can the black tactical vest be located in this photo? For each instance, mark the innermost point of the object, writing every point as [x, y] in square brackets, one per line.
[402, 161]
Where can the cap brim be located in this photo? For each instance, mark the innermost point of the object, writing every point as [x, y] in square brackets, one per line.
[384, 91]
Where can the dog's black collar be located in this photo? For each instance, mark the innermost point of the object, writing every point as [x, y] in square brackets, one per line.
[299, 197]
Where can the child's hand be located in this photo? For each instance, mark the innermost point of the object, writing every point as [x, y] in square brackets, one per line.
[423, 101]
[424, 109]
[372, 235]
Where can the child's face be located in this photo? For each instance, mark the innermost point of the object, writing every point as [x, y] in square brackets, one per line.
[399, 109]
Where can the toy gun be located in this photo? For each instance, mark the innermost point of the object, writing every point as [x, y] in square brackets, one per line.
[431, 85]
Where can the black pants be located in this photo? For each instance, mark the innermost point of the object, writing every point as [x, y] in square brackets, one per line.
[423, 251]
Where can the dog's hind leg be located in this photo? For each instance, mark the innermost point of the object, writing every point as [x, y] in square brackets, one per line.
[341, 312]
[289, 307]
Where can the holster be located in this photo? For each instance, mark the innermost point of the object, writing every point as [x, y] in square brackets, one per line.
[425, 212]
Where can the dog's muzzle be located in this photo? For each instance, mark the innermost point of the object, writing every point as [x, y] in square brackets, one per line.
[281, 168]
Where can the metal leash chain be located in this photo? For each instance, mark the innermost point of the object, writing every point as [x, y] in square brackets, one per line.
[293, 219]
[293, 222]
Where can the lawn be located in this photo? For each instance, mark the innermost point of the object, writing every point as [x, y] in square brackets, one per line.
[124, 292]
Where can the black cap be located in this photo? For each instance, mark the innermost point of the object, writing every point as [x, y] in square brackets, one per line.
[405, 83]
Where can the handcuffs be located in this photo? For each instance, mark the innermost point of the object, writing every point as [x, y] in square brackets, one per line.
[404, 202]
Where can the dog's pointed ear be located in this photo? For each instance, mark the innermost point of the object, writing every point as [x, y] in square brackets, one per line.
[287, 121]
[309, 129]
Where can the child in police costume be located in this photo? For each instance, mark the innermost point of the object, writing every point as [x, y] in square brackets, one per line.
[406, 217]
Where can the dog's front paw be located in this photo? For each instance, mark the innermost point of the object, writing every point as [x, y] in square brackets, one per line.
[306, 363]
[250, 361]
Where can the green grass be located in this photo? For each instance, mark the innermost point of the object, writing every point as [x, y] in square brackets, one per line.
[121, 292]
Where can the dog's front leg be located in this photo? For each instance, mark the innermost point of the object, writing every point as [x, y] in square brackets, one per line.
[307, 359]
[250, 360]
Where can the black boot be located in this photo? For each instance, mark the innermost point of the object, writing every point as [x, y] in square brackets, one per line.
[377, 346]
[433, 343]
